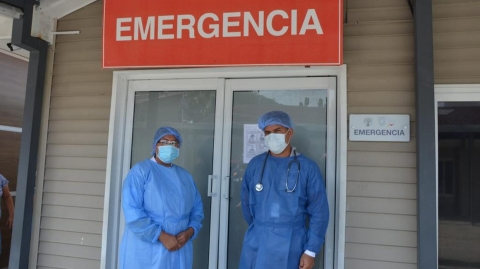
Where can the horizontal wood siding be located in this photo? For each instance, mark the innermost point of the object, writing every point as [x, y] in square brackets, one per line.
[13, 78]
[74, 186]
[381, 221]
[456, 36]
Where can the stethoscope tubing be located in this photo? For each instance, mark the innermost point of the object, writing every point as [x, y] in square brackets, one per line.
[259, 185]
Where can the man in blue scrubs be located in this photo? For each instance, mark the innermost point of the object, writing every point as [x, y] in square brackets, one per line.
[163, 209]
[280, 189]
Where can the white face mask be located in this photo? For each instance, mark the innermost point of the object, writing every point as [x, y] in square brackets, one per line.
[276, 143]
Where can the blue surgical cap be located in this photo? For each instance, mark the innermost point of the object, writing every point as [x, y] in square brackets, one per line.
[163, 131]
[274, 118]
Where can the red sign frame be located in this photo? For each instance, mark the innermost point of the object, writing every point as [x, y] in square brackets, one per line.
[188, 33]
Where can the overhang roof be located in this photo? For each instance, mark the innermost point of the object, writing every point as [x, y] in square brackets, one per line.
[49, 10]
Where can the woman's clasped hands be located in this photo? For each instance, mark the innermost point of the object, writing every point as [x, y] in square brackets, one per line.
[174, 243]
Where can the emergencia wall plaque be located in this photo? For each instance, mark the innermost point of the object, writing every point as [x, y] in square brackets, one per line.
[384, 128]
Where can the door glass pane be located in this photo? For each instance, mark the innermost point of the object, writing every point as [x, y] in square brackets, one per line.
[308, 110]
[476, 183]
[192, 113]
[459, 184]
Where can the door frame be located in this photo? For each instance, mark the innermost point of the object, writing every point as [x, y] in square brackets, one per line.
[116, 139]
[184, 85]
[449, 93]
[278, 84]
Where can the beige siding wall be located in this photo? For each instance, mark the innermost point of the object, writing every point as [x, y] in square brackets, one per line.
[456, 34]
[74, 186]
[381, 189]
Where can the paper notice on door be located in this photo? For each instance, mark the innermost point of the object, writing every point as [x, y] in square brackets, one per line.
[253, 142]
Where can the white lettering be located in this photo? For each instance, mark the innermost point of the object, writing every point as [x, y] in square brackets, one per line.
[227, 24]
[188, 26]
[150, 27]
[270, 23]
[211, 25]
[294, 22]
[162, 26]
[258, 27]
[311, 15]
[121, 29]
[214, 27]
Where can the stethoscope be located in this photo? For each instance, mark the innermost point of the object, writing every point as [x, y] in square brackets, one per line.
[259, 186]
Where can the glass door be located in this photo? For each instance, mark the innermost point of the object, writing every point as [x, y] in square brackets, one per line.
[195, 108]
[458, 181]
[311, 104]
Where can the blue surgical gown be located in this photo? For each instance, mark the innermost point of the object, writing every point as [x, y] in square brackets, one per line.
[277, 235]
[156, 198]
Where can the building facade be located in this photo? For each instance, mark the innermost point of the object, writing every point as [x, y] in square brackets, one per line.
[373, 185]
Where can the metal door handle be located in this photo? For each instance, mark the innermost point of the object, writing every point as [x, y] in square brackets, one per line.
[209, 191]
[226, 191]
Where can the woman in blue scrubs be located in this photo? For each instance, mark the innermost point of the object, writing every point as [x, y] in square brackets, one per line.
[162, 207]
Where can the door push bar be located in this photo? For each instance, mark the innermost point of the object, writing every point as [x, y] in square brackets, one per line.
[210, 179]
[226, 193]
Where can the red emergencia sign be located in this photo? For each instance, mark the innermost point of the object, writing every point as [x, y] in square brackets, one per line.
[160, 33]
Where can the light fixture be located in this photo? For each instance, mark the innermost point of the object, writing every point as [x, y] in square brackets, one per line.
[10, 11]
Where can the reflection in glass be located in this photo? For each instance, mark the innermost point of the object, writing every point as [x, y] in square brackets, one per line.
[308, 110]
[192, 113]
[459, 185]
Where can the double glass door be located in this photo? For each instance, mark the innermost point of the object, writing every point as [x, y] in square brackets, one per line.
[217, 119]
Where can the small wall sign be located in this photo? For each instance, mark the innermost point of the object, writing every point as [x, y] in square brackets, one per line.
[383, 128]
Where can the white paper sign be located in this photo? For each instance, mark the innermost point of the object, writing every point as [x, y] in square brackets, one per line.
[385, 128]
[253, 142]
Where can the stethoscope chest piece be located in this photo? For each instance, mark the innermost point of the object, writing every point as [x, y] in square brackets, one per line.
[259, 187]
